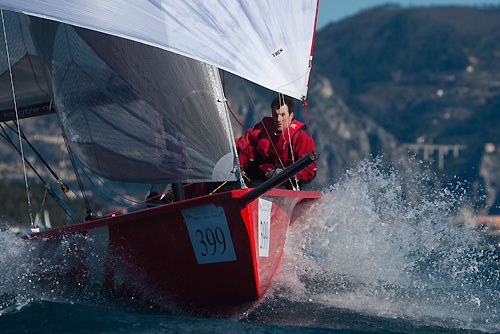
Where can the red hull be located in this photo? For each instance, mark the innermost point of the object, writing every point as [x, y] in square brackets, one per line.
[206, 255]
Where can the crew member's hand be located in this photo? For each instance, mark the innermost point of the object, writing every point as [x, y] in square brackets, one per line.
[272, 172]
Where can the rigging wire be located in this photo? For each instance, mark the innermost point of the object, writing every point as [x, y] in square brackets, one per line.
[109, 188]
[64, 187]
[265, 129]
[262, 118]
[239, 173]
[42, 206]
[33, 227]
[227, 103]
[281, 97]
[90, 213]
[70, 212]
[131, 206]
[70, 189]
[304, 104]
[295, 185]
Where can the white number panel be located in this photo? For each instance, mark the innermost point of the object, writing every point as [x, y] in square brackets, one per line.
[264, 229]
[209, 234]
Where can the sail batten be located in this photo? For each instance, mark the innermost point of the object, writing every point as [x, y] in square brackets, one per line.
[267, 42]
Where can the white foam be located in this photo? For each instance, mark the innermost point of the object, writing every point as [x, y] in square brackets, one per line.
[388, 244]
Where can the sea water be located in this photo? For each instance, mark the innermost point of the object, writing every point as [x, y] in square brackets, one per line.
[382, 251]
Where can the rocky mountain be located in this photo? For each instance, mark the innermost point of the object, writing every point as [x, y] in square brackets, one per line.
[427, 76]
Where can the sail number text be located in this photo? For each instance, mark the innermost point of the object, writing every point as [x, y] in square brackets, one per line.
[264, 227]
[264, 235]
[209, 239]
[209, 234]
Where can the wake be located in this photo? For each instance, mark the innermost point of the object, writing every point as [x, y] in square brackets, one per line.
[386, 244]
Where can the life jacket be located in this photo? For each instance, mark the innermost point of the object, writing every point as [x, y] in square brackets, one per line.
[263, 152]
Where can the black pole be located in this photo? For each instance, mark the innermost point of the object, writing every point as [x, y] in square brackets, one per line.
[275, 181]
[178, 190]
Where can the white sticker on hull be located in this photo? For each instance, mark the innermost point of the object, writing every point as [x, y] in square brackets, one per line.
[209, 234]
[264, 229]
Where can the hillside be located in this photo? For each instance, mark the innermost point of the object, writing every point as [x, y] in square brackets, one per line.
[424, 75]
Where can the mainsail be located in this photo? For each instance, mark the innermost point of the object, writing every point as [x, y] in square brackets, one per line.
[133, 112]
[135, 85]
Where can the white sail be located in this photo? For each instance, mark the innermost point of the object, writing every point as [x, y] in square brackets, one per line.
[265, 41]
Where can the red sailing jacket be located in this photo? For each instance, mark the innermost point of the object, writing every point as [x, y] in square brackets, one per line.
[256, 151]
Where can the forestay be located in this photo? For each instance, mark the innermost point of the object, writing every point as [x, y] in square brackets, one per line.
[268, 42]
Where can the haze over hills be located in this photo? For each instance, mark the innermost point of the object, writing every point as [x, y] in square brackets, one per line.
[390, 81]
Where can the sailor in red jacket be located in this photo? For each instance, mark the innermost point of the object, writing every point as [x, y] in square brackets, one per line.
[275, 143]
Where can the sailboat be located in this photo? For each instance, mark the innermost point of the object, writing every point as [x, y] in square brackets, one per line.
[136, 87]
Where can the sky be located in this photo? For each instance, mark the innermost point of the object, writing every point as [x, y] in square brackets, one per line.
[335, 10]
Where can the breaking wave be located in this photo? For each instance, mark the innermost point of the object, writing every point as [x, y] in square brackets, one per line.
[31, 271]
[388, 244]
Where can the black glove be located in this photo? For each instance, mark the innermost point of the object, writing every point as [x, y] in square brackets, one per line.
[272, 172]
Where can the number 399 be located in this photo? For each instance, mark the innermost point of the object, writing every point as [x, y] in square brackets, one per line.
[212, 240]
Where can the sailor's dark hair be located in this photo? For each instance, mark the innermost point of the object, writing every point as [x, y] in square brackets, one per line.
[281, 100]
